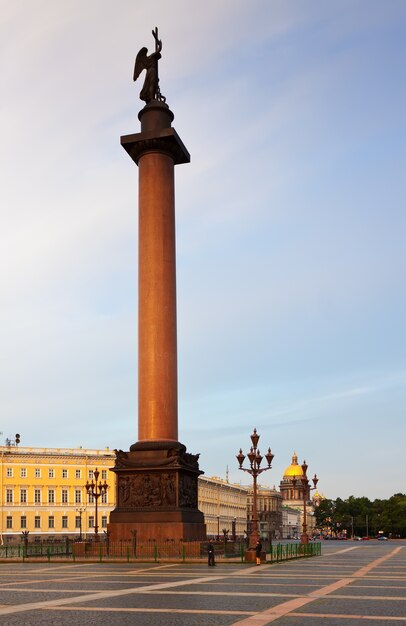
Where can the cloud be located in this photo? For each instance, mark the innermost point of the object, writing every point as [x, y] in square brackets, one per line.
[289, 223]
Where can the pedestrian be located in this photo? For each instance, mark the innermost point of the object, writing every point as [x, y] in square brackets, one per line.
[210, 553]
[258, 550]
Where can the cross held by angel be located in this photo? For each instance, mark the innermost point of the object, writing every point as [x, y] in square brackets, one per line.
[150, 89]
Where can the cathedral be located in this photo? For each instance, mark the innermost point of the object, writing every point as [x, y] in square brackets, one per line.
[294, 495]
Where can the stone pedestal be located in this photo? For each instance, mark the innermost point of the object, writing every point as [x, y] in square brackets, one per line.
[251, 557]
[157, 494]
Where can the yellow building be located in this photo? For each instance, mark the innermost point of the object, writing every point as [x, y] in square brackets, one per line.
[43, 492]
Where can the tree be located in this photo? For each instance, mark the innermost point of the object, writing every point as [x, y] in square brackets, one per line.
[362, 516]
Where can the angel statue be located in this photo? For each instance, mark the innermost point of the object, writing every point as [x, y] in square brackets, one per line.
[150, 90]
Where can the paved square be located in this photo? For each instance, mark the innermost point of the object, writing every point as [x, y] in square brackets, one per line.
[349, 584]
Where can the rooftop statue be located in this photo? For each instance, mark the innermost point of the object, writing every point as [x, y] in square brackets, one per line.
[150, 89]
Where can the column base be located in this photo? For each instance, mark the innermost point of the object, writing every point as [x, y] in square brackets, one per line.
[157, 493]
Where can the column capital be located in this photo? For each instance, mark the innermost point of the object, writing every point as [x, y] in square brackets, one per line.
[166, 141]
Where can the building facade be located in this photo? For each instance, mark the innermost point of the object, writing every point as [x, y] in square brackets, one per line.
[269, 509]
[291, 523]
[224, 506]
[43, 492]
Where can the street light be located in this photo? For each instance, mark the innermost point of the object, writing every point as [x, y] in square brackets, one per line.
[96, 489]
[80, 510]
[255, 459]
[306, 496]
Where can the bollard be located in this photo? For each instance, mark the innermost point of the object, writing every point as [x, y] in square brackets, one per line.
[155, 553]
[49, 553]
[128, 554]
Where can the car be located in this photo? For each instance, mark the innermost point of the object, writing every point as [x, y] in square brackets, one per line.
[365, 538]
[382, 538]
[356, 538]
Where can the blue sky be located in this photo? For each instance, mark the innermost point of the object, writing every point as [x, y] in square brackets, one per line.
[290, 229]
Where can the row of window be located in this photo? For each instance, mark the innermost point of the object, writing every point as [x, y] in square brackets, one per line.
[52, 496]
[38, 523]
[51, 473]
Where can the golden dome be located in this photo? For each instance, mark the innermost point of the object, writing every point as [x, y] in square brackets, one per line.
[294, 469]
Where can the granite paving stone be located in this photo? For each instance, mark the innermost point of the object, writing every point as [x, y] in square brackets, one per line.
[348, 582]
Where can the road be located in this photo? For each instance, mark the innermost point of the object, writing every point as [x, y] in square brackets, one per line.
[350, 584]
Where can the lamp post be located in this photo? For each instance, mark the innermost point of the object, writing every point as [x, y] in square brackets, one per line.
[25, 534]
[255, 459]
[306, 496]
[80, 510]
[95, 489]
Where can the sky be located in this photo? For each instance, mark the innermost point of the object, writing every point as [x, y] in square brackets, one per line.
[290, 229]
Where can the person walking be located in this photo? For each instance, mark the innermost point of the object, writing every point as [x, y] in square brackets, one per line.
[210, 553]
[258, 550]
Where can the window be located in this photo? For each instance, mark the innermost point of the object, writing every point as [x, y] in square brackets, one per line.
[37, 496]
[37, 472]
[91, 474]
[9, 496]
[51, 496]
[91, 498]
[51, 473]
[9, 472]
[9, 521]
[23, 521]
[51, 521]
[64, 521]
[23, 496]
[104, 521]
[104, 474]
[91, 521]
[78, 474]
[23, 472]
[78, 496]
[65, 496]
[104, 497]
[64, 473]
[37, 521]
[77, 521]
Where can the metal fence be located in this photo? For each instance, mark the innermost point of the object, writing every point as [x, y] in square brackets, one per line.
[154, 551]
[288, 551]
[40, 549]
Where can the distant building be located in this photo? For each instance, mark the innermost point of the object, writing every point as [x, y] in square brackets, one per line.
[224, 506]
[291, 523]
[43, 491]
[293, 495]
[269, 509]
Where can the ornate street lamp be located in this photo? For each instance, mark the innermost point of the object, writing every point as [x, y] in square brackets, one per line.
[96, 489]
[255, 459]
[306, 489]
